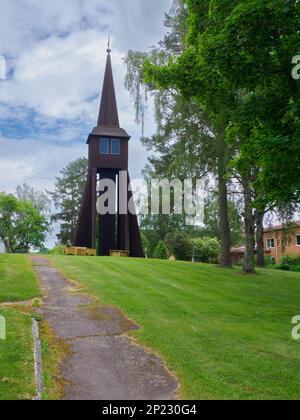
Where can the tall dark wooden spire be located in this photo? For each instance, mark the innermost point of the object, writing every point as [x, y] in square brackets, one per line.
[108, 120]
[108, 160]
[108, 114]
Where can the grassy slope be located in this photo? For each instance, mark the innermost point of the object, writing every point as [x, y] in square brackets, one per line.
[225, 335]
[17, 283]
[17, 280]
[16, 358]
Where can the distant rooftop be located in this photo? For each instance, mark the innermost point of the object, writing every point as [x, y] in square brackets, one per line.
[281, 227]
[241, 249]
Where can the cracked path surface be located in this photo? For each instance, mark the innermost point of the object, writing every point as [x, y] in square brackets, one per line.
[104, 364]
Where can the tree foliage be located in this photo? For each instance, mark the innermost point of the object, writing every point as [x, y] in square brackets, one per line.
[259, 40]
[161, 251]
[179, 244]
[67, 197]
[187, 144]
[206, 250]
[146, 244]
[237, 67]
[211, 223]
[39, 199]
[22, 225]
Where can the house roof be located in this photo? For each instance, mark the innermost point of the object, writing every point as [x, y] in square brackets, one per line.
[281, 227]
[241, 249]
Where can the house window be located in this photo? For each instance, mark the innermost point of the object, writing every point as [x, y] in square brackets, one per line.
[298, 240]
[115, 147]
[270, 243]
[104, 146]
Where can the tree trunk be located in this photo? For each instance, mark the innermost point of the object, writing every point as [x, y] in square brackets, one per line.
[225, 259]
[260, 238]
[249, 229]
[8, 247]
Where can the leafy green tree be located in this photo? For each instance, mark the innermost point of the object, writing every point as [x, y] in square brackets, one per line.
[156, 226]
[146, 245]
[237, 68]
[179, 244]
[190, 75]
[22, 225]
[190, 141]
[248, 47]
[206, 250]
[152, 237]
[43, 251]
[161, 251]
[212, 220]
[39, 199]
[67, 198]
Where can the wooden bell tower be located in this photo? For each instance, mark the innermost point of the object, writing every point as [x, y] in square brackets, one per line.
[108, 156]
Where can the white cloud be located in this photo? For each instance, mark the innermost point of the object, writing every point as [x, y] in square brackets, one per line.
[22, 22]
[133, 23]
[36, 162]
[57, 53]
[57, 76]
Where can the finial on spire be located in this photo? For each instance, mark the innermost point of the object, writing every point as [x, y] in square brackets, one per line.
[108, 46]
[108, 114]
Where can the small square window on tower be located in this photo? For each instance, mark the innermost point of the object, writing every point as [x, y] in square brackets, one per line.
[115, 147]
[104, 146]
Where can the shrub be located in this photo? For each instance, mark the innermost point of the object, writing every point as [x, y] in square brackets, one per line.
[179, 244]
[291, 260]
[57, 250]
[207, 250]
[289, 263]
[283, 267]
[44, 251]
[161, 251]
[269, 261]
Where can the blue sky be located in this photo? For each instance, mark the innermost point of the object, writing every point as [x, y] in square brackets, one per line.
[55, 53]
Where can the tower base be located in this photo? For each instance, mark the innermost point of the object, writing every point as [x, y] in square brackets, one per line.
[110, 231]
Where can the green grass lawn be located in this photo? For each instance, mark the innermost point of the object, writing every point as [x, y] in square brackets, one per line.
[16, 358]
[17, 280]
[225, 335]
[17, 283]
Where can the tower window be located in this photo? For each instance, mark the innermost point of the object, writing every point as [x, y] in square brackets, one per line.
[104, 146]
[115, 147]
